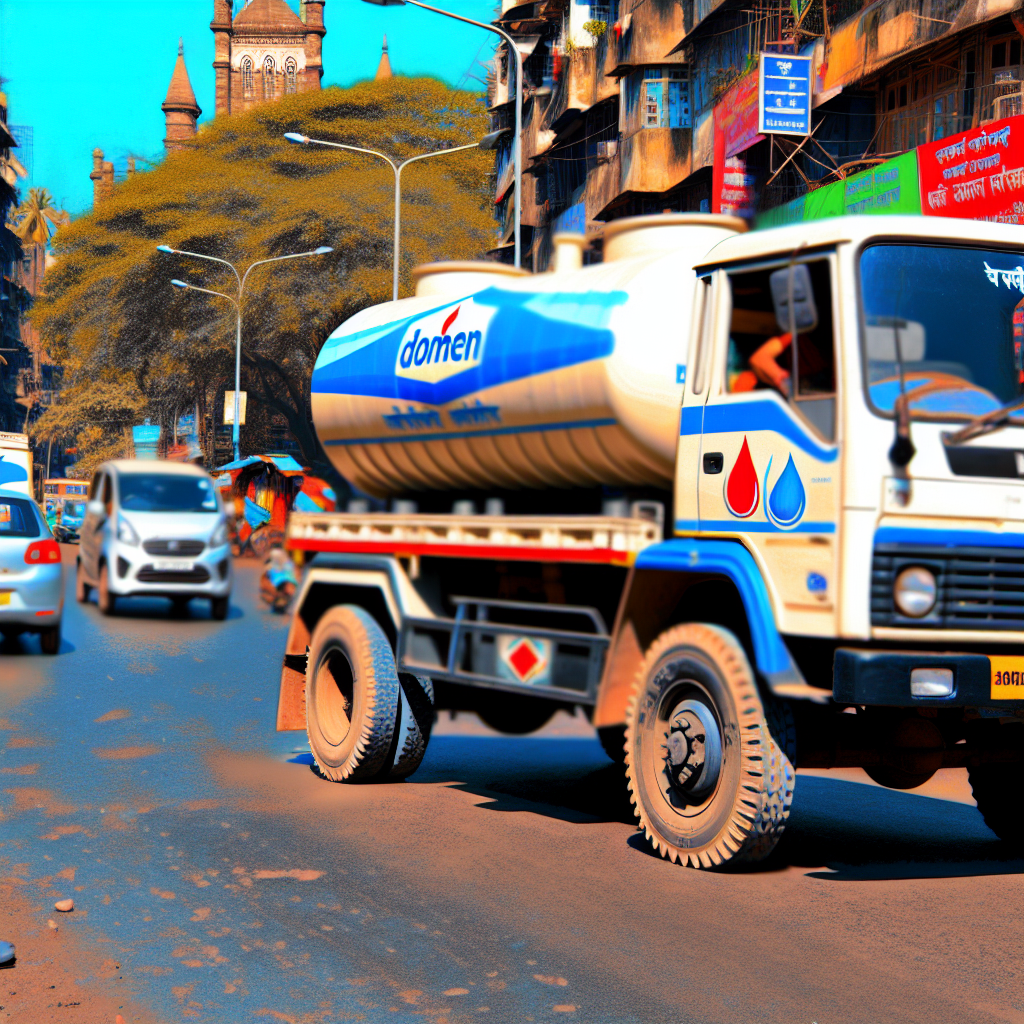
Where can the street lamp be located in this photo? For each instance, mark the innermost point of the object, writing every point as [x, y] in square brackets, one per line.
[237, 303]
[517, 152]
[304, 140]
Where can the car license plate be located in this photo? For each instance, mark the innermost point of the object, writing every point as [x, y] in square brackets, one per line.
[5, 597]
[173, 565]
[1007, 678]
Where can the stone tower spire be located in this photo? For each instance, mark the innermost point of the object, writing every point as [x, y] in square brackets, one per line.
[180, 107]
[384, 67]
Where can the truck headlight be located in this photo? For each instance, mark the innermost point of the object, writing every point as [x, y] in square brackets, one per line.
[125, 532]
[915, 591]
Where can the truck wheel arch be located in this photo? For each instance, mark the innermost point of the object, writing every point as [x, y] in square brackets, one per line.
[716, 582]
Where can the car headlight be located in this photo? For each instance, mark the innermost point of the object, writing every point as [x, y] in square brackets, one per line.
[915, 591]
[219, 535]
[125, 532]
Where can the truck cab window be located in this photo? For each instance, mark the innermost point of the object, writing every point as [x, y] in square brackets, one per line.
[761, 349]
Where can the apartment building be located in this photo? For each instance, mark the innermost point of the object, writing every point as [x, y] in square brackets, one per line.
[644, 106]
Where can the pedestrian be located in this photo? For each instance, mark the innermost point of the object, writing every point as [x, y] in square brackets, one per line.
[279, 580]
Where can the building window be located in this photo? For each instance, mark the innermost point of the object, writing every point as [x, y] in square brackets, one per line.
[247, 77]
[1006, 54]
[268, 78]
[665, 102]
[290, 74]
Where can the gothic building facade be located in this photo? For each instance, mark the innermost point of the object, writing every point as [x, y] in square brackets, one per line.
[265, 51]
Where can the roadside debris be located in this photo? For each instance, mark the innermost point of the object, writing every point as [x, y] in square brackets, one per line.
[64, 906]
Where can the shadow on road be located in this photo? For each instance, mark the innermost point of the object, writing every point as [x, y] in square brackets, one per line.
[846, 831]
[162, 608]
[28, 644]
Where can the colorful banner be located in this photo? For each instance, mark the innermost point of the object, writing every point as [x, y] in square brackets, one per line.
[891, 187]
[738, 195]
[736, 115]
[978, 174]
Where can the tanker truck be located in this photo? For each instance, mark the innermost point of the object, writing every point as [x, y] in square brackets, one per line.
[751, 500]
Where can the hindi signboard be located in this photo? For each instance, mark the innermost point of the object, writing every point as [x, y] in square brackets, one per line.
[977, 174]
[784, 95]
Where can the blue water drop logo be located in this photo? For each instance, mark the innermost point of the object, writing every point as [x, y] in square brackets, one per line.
[788, 499]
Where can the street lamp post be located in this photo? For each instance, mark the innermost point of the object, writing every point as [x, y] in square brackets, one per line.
[237, 303]
[304, 140]
[517, 151]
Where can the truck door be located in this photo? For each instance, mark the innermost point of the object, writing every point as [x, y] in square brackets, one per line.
[769, 470]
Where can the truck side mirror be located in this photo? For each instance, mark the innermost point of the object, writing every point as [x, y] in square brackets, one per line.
[97, 509]
[794, 280]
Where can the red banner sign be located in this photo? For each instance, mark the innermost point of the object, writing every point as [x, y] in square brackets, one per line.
[978, 174]
[736, 115]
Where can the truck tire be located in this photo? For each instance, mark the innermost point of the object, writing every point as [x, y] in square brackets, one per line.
[999, 792]
[415, 720]
[709, 780]
[352, 696]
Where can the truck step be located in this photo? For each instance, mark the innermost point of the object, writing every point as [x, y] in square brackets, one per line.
[602, 540]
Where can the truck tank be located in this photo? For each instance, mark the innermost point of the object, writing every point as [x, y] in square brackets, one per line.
[491, 377]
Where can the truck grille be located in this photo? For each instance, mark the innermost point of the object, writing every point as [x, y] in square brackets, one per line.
[147, 574]
[979, 588]
[175, 548]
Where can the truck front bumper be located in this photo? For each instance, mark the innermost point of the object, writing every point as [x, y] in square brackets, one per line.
[919, 679]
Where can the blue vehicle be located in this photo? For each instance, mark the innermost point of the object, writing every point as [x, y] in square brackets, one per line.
[68, 517]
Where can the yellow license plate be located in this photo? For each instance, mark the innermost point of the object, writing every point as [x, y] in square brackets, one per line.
[5, 597]
[1007, 678]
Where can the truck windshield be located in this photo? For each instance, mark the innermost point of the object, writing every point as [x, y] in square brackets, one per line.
[157, 492]
[957, 316]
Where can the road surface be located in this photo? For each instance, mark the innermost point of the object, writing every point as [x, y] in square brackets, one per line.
[217, 879]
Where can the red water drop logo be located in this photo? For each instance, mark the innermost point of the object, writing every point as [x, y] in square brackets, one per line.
[450, 320]
[742, 491]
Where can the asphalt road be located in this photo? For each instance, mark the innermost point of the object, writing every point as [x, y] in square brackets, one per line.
[219, 880]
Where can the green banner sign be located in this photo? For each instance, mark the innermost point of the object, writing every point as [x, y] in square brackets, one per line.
[891, 187]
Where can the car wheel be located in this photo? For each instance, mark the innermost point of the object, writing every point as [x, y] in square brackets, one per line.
[82, 589]
[219, 607]
[49, 639]
[106, 600]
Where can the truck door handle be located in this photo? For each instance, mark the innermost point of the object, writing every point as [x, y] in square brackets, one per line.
[713, 462]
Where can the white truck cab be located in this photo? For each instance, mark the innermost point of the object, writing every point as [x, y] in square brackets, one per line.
[840, 581]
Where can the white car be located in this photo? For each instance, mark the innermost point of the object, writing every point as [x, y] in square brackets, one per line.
[154, 528]
[31, 573]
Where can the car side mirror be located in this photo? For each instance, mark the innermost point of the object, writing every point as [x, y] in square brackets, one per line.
[794, 281]
[97, 509]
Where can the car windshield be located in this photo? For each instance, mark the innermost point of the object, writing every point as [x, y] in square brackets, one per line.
[166, 492]
[957, 316]
[17, 518]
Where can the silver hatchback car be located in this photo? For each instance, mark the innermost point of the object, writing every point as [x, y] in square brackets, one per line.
[31, 573]
[154, 528]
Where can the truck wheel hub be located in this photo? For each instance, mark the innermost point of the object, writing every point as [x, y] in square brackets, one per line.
[693, 749]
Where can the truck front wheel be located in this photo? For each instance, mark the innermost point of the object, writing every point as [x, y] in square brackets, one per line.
[709, 781]
[998, 789]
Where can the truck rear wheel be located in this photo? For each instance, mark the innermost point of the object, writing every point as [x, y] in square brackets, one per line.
[352, 696]
[415, 720]
[999, 792]
[709, 781]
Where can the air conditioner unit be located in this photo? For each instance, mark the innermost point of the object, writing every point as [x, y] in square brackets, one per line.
[606, 150]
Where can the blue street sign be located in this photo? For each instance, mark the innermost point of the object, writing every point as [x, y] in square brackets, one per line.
[784, 95]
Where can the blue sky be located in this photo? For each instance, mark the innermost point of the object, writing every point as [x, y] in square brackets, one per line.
[87, 73]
